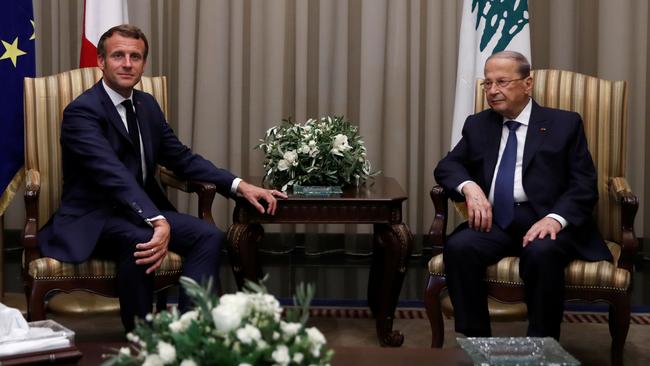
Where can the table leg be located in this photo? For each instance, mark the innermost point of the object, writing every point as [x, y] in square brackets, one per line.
[393, 245]
[243, 241]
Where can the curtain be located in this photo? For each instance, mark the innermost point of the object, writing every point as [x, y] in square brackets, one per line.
[237, 67]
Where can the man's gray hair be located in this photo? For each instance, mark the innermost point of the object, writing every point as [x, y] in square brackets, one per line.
[524, 65]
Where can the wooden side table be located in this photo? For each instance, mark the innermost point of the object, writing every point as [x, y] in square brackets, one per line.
[378, 202]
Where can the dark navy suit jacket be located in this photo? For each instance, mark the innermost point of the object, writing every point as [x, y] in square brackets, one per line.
[100, 166]
[558, 172]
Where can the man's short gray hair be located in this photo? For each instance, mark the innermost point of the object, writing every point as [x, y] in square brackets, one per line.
[524, 65]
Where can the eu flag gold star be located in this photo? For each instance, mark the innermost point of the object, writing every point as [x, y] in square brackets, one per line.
[12, 51]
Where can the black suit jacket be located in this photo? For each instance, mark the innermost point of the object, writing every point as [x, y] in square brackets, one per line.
[558, 173]
[100, 167]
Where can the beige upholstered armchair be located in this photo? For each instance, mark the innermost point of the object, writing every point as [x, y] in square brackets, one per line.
[45, 100]
[603, 106]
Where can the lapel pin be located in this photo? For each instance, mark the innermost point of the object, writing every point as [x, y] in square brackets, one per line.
[542, 129]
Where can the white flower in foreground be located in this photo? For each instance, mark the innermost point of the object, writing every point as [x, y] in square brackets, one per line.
[126, 351]
[132, 338]
[315, 336]
[281, 355]
[289, 329]
[167, 352]
[230, 311]
[184, 322]
[283, 165]
[188, 362]
[248, 334]
[304, 149]
[298, 357]
[316, 339]
[225, 319]
[153, 360]
[245, 364]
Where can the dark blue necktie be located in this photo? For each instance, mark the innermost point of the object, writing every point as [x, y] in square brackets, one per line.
[134, 133]
[504, 185]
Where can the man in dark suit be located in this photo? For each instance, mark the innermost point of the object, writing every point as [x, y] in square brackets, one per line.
[530, 186]
[112, 139]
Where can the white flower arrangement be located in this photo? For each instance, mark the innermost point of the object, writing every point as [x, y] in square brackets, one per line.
[242, 329]
[328, 151]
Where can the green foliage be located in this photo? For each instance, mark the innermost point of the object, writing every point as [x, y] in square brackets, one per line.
[237, 329]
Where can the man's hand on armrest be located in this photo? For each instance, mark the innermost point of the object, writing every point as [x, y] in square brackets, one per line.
[479, 209]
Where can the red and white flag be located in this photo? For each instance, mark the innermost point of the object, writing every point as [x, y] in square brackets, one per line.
[99, 16]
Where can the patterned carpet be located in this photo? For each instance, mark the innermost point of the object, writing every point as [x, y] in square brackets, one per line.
[415, 313]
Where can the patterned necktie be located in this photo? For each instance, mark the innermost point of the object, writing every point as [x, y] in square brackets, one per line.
[504, 185]
[134, 133]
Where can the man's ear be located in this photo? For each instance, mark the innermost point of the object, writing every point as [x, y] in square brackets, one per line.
[529, 85]
[100, 62]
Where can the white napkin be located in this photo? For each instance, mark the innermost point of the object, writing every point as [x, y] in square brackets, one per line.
[16, 336]
[12, 324]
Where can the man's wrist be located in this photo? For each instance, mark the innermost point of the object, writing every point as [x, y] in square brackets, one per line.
[462, 185]
[560, 219]
[235, 185]
[151, 220]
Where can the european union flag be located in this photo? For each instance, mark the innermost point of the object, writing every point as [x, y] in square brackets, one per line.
[16, 61]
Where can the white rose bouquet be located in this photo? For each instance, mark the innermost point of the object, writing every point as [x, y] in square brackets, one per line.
[328, 151]
[241, 329]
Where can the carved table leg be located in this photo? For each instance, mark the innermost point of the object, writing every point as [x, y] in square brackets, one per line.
[243, 241]
[393, 245]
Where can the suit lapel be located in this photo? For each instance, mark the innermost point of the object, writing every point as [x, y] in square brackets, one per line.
[492, 135]
[537, 131]
[111, 112]
[145, 130]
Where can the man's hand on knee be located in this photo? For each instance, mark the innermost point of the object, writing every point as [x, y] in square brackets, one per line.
[154, 251]
[542, 228]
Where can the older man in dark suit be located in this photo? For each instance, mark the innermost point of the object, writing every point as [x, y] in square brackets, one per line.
[530, 186]
[112, 139]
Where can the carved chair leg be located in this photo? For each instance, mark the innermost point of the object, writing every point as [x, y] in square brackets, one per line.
[619, 324]
[36, 303]
[161, 300]
[433, 307]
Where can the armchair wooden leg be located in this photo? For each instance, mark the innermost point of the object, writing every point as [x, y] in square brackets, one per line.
[161, 300]
[619, 324]
[36, 303]
[434, 309]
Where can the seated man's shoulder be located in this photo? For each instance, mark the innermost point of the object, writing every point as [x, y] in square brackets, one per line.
[85, 100]
[557, 113]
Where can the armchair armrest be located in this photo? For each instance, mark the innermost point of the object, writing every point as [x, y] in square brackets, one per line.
[204, 190]
[626, 205]
[32, 190]
[438, 230]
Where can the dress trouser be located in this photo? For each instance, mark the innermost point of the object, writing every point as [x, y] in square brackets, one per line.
[468, 253]
[195, 240]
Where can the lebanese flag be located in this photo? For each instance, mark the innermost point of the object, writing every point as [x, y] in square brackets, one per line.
[99, 16]
[486, 27]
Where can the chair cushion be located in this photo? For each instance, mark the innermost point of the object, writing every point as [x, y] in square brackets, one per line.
[49, 268]
[579, 273]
